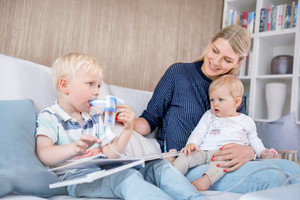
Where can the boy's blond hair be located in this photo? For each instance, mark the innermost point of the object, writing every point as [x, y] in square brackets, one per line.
[68, 65]
[234, 85]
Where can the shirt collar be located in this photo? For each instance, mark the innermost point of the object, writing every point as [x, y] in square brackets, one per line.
[66, 117]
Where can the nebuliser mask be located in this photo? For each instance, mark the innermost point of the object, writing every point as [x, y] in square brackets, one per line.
[110, 109]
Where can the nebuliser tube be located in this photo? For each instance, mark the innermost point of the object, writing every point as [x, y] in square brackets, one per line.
[110, 111]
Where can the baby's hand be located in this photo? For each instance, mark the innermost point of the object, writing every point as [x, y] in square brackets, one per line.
[188, 148]
[126, 116]
[269, 153]
[85, 142]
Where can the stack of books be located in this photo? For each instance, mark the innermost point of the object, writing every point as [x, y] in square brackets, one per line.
[245, 19]
[278, 17]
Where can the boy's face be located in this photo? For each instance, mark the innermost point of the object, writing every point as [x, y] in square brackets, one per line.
[83, 87]
[222, 103]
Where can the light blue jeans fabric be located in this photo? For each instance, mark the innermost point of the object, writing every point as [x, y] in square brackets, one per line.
[265, 179]
[169, 180]
[157, 180]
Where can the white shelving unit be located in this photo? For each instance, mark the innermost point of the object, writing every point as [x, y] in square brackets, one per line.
[265, 46]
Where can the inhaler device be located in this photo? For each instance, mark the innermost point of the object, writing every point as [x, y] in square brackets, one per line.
[110, 109]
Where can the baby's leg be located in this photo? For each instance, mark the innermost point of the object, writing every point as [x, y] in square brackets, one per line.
[269, 153]
[172, 158]
[203, 183]
[213, 174]
[183, 163]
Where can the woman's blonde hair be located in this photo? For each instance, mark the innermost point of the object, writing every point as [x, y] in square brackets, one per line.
[239, 40]
[234, 85]
[68, 65]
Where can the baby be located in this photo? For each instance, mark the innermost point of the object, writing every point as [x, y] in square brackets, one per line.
[220, 125]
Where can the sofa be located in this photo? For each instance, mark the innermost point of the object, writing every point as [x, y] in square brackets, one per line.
[26, 88]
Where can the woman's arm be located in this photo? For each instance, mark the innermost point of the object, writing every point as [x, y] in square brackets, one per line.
[236, 153]
[141, 126]
[158, 104]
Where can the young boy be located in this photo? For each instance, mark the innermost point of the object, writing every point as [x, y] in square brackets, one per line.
[219, 126]
[68, 130]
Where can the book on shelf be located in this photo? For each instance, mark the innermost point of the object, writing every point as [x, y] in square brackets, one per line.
[279, 17]
[245, 19]
[287, 17]
[263, 22]
[247, 103]
[250, 63]
[295, 15]
[273, 18]
[106, 167]
[229, 17]
[292, 14]
[245, 69]
[269, 18]
[283, 16]
[251, 22]
[246, 66]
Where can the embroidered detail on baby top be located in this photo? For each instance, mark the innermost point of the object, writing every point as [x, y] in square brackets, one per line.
[214, 127]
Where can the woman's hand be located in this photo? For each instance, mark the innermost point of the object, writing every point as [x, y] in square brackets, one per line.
[236, 154]
[189, 148]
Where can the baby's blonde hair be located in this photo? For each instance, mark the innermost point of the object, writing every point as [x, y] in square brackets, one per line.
[234, 85]
[68, 65]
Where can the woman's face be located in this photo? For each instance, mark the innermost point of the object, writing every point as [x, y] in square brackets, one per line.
[219, 59]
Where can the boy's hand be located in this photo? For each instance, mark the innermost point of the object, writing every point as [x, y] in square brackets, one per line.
[126, 116]
[85, 142]
[188, 148]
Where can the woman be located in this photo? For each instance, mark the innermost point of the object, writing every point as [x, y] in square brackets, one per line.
[181, 98]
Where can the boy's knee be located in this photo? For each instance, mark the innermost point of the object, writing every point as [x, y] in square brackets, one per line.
[132, 174]
[127, 176]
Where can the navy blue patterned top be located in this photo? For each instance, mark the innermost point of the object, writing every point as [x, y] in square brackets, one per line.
[178, 102]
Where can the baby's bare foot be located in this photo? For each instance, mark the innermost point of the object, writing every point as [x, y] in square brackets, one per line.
[203, 183]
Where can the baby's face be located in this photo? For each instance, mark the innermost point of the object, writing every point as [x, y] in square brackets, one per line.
[222, 103]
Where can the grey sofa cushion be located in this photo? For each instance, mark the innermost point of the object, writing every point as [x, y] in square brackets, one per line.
[281, 134]
[21, 172]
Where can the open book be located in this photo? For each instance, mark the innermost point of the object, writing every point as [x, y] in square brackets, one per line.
[108, 167]
[160, 156]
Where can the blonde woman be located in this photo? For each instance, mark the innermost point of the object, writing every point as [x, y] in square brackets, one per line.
[181, 98]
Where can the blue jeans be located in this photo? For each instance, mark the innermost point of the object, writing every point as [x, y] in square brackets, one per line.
[157, 180]
[265, 179]
[169, 180]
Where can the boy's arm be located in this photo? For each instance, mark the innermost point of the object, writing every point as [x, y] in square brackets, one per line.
[51, 155]
[125, 115]
[118, 145]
